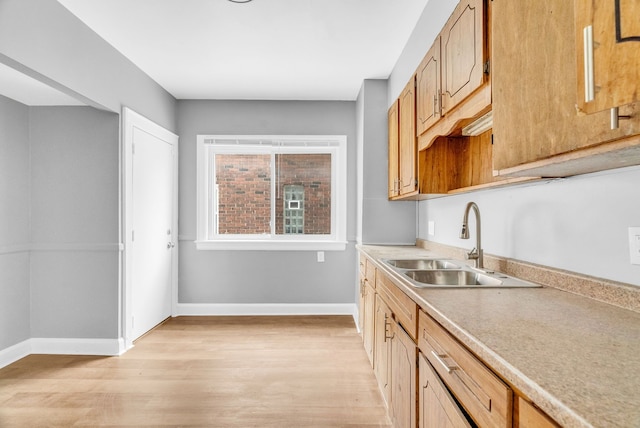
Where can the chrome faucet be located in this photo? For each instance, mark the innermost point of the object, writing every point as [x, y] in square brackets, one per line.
[476, 254]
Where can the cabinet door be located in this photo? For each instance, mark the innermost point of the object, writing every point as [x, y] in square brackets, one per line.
[612, 75]
[437, 409]
[408, 140]
[382, 347]
[428, 89]
[403, 378]
[369, 325]
[463, 53]
[394, 146]
[534, 93]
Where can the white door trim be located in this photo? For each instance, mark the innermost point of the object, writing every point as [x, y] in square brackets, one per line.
[131, 120]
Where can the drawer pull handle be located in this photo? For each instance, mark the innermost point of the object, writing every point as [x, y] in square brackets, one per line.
[439, 358]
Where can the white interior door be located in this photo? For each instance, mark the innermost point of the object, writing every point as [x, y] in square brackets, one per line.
[150, 224]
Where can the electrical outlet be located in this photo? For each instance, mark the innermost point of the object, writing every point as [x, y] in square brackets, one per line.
[432, 228]
[634, 245]
[320, 256]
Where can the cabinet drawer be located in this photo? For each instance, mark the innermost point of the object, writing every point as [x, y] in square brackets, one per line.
[483, 395]
[528, 416]
[404, 309]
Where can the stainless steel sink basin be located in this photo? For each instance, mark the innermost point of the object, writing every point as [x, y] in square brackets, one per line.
[422, 264]
[452, 278]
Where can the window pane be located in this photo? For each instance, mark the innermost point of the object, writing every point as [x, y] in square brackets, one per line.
[303, 199]
[244, 194]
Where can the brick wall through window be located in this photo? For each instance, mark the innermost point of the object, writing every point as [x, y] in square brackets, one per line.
[244, 191]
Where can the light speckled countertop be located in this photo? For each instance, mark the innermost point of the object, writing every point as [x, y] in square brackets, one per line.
[576, 358]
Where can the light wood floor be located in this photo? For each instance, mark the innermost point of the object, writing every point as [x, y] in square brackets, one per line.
[207, 372]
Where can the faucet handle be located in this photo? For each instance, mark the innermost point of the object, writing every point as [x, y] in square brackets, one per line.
[473, 254]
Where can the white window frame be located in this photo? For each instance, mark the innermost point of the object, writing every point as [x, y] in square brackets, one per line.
[207, 145]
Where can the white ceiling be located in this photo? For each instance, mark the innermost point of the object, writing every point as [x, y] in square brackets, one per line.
[265, 49]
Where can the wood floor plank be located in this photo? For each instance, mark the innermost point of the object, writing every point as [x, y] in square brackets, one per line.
[205, 372]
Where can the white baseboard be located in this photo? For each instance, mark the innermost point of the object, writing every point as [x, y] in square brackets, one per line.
[106, 347]
[103, 347]
[266, 309]
[14, 353]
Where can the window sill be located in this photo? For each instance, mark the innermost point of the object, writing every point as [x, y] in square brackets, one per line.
[272, 245]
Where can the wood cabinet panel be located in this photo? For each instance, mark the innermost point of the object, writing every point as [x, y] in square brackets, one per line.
[371, 273]
[404, 378]
[408, 148]
[462, 53]
[615, 48]
[487, 400]
[405, 310]
[428, 89]
[361, 303]
[382, 349]
[534, 95]
[436, 407]
[527, 416]
[394, 147]
[369, 321]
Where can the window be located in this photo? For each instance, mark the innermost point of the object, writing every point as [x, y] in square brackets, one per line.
[271, 192]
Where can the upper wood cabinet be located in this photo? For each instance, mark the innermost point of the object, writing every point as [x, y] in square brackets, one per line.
[455, 67]
[403, 167]
[407, 139]
[429, 89]
[462, 46]
[608, 53]
[536, 128]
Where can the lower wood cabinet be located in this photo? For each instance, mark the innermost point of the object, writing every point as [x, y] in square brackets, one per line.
[486, 399]
[369, 329]
[436, 406]
[382, 347]
[426, 376]
[404, 373]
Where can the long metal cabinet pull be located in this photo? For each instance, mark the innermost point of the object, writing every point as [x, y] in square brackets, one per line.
[589, 85]
[441, 361]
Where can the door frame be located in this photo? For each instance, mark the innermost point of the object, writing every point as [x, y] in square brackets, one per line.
[130, 121]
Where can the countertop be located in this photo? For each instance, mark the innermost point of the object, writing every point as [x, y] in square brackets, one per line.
[576, 358]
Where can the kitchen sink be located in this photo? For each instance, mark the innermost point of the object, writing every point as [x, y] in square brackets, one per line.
[466, 277]
[422, 264]
[452, 277]
[446, 273]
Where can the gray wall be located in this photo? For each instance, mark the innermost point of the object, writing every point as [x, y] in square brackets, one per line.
[60, 272]
[382, 221]
[15, 324]
[263, 276]
[74, 222]
[578, 224]
[42, 38]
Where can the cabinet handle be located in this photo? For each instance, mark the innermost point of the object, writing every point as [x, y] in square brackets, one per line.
[439, 358]
[435, 105]
[589, 85]
[387, 324]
